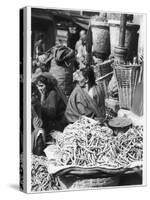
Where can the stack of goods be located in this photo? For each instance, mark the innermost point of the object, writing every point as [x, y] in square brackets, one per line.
[86, 144]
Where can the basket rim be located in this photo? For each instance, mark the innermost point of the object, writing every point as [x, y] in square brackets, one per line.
[123, 66]
[105, 62]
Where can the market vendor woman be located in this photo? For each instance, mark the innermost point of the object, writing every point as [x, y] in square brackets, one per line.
[52, 104]
[86, 99]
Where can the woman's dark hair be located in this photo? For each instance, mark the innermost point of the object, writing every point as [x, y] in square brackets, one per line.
[47, 82]
[88, 73]
[33, 87]
[34, 90]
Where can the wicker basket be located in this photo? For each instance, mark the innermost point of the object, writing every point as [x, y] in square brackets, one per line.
[95, 182]
[127, 77]
[101, 69]
[101, 38]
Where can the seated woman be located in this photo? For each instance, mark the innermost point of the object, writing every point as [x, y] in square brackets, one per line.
[86, 99]
[52, 103]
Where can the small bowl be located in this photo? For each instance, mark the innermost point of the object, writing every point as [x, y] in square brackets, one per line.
[119, 124]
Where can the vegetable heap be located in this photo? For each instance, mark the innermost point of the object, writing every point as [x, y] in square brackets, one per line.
[41, 180]
[85, 143]
[130, 144]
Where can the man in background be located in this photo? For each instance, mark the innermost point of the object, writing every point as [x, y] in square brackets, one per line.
[80, 47]
[81, 39]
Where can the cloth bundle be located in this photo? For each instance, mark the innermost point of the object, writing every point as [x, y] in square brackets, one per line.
[62, 54]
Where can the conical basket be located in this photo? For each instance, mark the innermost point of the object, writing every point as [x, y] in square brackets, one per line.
[127, 77]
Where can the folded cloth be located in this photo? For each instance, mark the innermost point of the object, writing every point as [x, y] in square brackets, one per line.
[63, 53]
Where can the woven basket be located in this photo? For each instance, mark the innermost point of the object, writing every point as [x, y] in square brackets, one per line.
[95, 183]
[127, 77]
[101, 38]
[101, 69]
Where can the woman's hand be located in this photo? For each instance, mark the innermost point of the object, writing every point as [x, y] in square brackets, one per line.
[42, 93]
[42, 96]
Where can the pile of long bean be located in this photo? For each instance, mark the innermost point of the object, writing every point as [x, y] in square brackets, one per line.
[85, 143]
[41, 180]
[130, 144]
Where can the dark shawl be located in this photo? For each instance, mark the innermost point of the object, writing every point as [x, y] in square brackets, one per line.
[52, 111]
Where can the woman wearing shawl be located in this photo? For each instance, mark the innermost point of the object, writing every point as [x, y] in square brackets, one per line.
[52, 105]
[86, 99]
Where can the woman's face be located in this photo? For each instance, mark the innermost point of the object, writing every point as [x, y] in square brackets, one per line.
[41, 87]
[81, 79]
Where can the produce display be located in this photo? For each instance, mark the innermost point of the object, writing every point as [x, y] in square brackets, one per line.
[87, 144]
[130, 144]
[41, 180]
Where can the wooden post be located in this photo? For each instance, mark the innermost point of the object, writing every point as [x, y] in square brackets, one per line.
[121, 50]
[122, 30]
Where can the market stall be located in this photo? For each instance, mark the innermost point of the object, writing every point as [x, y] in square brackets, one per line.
[91, 152]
